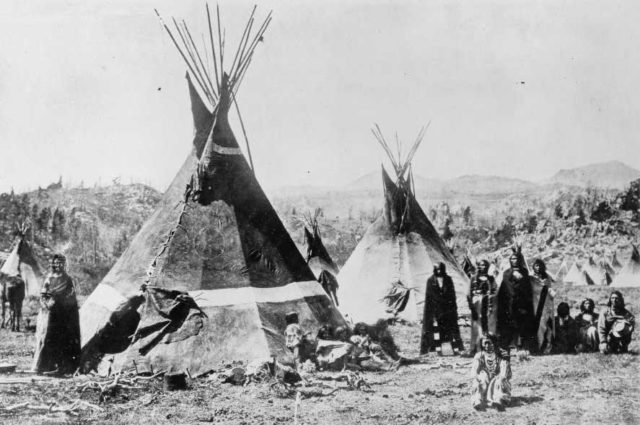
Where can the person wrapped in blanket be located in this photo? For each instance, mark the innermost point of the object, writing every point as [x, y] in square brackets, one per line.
[566, 337]
[57, 348]
[587, 322]
[491, 374]
[615, 326]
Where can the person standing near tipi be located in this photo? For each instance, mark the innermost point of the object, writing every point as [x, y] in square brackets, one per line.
[440, 306]
[58, 327]
[516, 318]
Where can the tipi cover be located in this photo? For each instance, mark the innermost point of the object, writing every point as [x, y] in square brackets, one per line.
[583, 279]
[615, 263]
[597, 273]
[388, 270]
[562, 271]
[219, 268]
[629, 276]
[22, 260]
[574, 274]
[319, 260]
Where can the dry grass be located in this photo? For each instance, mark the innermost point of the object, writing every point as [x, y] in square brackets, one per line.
[587, 388]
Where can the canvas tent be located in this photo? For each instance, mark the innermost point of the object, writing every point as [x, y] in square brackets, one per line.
[387, 272]
[629, 276]
[562, 271]
[318, 258]
[597, 273]
[22, 260]
[574, 274]
[583, 279]
[615, 263]
[217, 269]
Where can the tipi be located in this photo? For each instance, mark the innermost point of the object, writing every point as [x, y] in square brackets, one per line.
[22, 261]
[213, 272]
[562, 271]
[583, 279]
[597, 273]
[629, 276]
[574, 274]
[386, 274]
[318, 258]
[615, 263]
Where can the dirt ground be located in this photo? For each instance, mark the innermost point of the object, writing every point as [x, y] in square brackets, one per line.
[558, 389]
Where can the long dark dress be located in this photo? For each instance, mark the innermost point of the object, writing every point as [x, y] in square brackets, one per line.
[58, 327]
[484, 310]
[516, 318]
[440, 305]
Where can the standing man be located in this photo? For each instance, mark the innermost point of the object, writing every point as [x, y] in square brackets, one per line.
[516, 318]
[440, 306]
[58, 328]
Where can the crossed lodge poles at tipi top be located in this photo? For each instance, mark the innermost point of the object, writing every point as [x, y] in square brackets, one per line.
[387, 272]
[219, 268]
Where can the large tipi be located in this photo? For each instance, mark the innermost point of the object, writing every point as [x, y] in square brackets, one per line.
[217, 268]
[387, 272]
[23, 261]
[629, 276]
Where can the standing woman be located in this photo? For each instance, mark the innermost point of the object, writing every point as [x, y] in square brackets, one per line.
[542, 307]
[58, 327]
[482, 304]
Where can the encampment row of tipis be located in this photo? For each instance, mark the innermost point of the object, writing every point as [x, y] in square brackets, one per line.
[211, 275]
[219, 270]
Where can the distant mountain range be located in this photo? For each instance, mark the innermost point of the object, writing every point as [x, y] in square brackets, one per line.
[613, 174]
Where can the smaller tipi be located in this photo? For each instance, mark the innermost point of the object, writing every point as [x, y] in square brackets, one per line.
[583, 279]
[597, 273]
[574, 274]
[22, 261]
[615, 263]
[318, 258]
[562, 271]
[629, 276]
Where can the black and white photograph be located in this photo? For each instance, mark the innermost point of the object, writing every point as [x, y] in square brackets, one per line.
[301, 212]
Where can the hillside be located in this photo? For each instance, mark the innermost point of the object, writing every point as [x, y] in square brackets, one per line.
[91, 226]
[612, 174]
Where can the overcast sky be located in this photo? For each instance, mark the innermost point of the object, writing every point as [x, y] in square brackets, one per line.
[95, 90]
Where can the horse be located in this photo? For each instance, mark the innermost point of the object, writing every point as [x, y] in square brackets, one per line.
[13, 291]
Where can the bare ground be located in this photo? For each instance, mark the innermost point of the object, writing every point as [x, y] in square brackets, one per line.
[585, 388]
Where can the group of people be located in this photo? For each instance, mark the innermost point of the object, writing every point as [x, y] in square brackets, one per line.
[362, 348]
[512, 315]
[608, 331]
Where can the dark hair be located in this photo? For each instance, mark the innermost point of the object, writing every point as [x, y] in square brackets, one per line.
[563, 309]
[59, 257]
[542, 265]
[583, 304]
[619, 294]
[361, 328]
[291, 318]
[491, 337]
